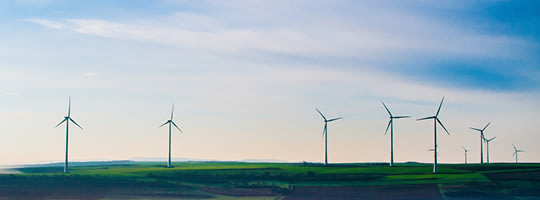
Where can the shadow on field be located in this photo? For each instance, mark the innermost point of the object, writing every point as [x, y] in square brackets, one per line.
[418, 192]
[90, 187]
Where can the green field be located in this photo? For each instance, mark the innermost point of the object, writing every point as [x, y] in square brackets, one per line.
[237, 180]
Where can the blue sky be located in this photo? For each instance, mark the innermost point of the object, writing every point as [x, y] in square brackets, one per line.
[246, 76]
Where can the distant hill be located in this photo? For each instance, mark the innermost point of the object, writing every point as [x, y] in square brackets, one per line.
[79, 164]
[158, 159]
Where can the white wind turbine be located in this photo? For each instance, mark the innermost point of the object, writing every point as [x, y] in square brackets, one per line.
[487, 147]
[516, 151]
[391, 126]
[482, 138]
[466, 150]
[67, 119]
[171, 123]
[325, 134]
[435, 121]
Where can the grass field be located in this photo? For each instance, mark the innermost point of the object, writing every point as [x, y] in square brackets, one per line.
[236, 180]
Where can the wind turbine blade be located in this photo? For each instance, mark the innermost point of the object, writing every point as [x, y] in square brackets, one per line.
[172, 111]
[439, 110]
[514, 147]
[442, 125]
[515, 152]
[69, 106]
[486, 126]
[389, 122]
[476, 129]
[61, 122]
[164, 124]
[491, 139]
[324, 130]
[521, 150]
[176, 126]
[426, 118]
[335, 119]
[321, 114]
[75, 123]
[398, 117]
[386, 109]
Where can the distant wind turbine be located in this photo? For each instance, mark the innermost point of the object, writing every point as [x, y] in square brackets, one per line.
[435, 121]
[67, 119]
[433, 150]
[481, 140]
[466, 150]
[391, 126]
[516, 151]
[487, 147]
[325, 134]
[171, 123]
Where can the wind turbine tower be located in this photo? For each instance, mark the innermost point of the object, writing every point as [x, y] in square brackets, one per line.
[391, 126]
[487, 147]
[171, 123]
[67, 119]
[482, 138]
[325, 134]
[435, 121]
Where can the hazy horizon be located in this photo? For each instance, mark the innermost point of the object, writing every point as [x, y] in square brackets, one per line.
[246, 76]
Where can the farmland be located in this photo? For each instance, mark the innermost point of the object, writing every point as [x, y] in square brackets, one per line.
[238, 180]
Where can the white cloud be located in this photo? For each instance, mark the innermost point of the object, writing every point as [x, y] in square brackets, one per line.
[329, 34]
[47, 23]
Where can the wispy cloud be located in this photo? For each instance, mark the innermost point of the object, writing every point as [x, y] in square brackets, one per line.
[47, 23]
[382, 35]
[334, 36]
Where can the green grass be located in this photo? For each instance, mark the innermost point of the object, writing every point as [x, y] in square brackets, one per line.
[188, 179]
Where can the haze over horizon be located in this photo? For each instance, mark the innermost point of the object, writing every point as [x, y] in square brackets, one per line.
[246, 77]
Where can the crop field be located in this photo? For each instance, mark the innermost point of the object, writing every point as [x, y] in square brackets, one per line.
[237, 180]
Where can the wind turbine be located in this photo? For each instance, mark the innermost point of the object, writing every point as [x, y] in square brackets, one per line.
[67, 119]
[516, 151]
[481, 140]
[487, 147]
[466, 150]
[391, 126]
[171, 123]
[435, 121]
[325, 134]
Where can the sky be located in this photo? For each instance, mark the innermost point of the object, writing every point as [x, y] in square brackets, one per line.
[246, 76]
